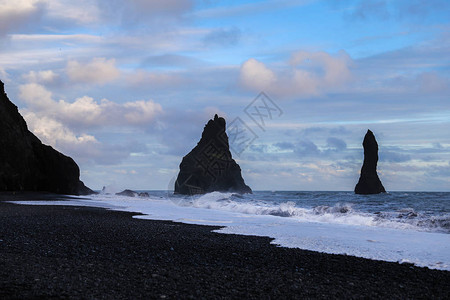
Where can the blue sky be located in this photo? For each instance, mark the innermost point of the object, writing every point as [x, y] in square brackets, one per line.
[125, 87]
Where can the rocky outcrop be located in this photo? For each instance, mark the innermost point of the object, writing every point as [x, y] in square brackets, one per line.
[209, 166]
[127, 193]
[28, 165]
[369, 183]
[130, 193]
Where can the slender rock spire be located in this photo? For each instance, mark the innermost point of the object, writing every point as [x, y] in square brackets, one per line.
[369, 183]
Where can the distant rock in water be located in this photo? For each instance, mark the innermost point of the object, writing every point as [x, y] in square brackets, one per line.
[28, 165]
[209, 166]
[369, 183]
[130, 193]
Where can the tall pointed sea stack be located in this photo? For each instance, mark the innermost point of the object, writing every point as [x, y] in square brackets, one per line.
[209, 166]
[28, 165]
[369, 183]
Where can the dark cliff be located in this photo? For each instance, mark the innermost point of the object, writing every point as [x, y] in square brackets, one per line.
[209, 166]
[28, 165]
[369, 183]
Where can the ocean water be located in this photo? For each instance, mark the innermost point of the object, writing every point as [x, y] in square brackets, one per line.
[406, 227]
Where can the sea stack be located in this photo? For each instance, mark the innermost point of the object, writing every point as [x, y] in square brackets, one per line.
[28, 165]
[369, 183]
[209, 166]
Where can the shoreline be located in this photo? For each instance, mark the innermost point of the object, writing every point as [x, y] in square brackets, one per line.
[73, 252]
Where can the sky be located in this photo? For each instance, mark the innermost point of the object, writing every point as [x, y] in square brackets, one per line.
[126, 87]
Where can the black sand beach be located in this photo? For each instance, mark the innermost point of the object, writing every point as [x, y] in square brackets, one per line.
[78, 252]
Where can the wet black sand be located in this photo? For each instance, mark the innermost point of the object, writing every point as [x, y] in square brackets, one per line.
[71, 252]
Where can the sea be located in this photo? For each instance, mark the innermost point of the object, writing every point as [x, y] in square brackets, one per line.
[404, 227]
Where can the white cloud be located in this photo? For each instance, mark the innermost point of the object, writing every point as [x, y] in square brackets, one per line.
[140, 112]
[83, 147]
[15, 14]
[306, 74]
[100, 70]
[85, 112]
[64, 125]
[66, 38]
[325, 69]
[42, 77]
[36, 96]
[255, 75]
[54, 133]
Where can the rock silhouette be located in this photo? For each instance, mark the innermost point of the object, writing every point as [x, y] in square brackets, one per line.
[130, 193]
[209, 166]
[369, 183]
[28, 165]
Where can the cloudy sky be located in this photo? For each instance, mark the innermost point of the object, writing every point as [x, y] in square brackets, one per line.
[125, 87]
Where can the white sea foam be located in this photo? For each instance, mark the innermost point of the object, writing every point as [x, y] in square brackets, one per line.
[339, 213]
[335, 228]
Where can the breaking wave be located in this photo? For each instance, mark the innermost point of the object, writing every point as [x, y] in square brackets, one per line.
[338, 213]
